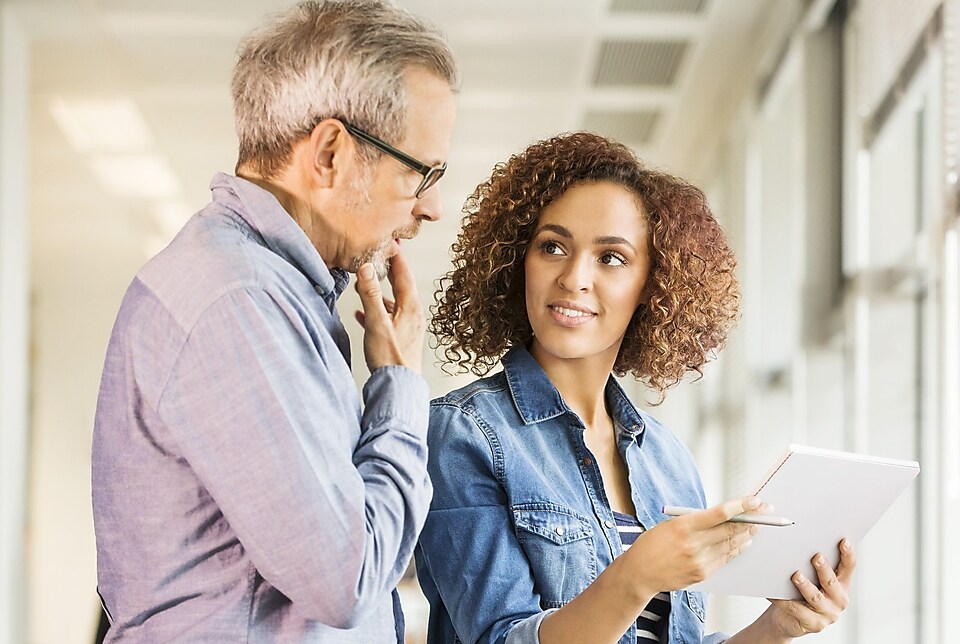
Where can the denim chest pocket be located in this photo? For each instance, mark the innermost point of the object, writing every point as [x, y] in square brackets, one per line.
[695, 601]
[559, 546]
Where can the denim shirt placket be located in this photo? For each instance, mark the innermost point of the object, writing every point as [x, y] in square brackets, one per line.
[627, 439]
[593, 482]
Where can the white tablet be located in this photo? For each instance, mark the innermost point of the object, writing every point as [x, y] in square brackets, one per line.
[828, 495]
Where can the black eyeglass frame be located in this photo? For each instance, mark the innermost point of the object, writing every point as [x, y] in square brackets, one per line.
[430, 174]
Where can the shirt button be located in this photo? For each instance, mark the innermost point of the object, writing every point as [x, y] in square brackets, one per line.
[587, 462]
[608, 523]
[560, 530]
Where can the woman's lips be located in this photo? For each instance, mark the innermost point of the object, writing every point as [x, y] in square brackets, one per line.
[569, 316]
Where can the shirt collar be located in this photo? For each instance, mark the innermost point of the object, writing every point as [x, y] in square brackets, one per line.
[629, 419]
[280, 233]
[533, 394]
[536, 399]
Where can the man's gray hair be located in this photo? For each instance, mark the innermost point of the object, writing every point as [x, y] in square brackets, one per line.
[335, 59]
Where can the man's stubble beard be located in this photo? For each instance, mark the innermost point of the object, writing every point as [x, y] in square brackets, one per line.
[377, 256]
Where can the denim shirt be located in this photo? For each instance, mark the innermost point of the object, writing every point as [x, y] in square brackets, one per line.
[520, 523]
[242, 489]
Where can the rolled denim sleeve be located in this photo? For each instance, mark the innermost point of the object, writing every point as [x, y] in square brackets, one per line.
[528, 631]
[327, 503]
[468, 548]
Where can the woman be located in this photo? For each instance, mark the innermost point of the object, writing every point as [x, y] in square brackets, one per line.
[576, 262]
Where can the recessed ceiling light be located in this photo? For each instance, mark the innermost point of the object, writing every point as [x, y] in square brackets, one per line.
[135, 176]
[102, 125]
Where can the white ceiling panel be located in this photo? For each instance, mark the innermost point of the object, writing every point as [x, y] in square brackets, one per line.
[657, 6]
[521, 66]
[528, 72]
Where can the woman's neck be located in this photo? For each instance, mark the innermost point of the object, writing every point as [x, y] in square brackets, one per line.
[581, 382]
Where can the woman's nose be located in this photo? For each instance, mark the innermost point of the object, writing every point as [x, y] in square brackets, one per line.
[576, 277]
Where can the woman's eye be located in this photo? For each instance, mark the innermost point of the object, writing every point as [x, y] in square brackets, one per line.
[550, 248]
[612, 259]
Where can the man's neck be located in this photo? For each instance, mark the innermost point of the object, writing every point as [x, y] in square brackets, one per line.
[296, 207]
[277, 187]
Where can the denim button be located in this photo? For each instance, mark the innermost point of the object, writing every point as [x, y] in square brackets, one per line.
[608, 523]
[560, 530]
[587, 462]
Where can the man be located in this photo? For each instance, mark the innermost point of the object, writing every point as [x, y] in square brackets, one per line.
[241, 492]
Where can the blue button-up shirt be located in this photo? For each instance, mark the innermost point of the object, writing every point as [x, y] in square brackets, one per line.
[519, 523]
[241, 492]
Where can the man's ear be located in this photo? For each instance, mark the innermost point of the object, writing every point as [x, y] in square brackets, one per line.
[329, 148]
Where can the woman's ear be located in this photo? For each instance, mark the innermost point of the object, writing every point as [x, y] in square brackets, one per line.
[646, 293]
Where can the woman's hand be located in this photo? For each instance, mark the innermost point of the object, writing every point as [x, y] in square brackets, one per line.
[820, 607]
[688, 549]
[669, 556]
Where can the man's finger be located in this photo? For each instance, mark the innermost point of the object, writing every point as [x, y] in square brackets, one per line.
[403, 282]
[371, 297]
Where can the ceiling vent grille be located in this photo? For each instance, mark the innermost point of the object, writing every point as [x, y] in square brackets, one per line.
[639, 63]
[631, 127]
[658, 6]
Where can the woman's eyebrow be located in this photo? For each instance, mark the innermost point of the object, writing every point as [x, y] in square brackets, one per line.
[555, 228]
[610, 240]
[603, 240]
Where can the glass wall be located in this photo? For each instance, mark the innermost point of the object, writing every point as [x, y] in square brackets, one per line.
[837, 198]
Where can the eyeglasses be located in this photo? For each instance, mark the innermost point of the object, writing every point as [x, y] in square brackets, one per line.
[431, 174]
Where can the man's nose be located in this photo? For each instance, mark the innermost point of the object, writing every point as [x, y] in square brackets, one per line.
[429, 205]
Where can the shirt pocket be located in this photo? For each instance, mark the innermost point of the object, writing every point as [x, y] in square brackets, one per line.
[559, 547]
[697, 604]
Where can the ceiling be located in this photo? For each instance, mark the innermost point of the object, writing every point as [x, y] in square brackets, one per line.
[653, 73]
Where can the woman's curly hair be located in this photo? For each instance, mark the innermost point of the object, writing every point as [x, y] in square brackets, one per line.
[691, 299]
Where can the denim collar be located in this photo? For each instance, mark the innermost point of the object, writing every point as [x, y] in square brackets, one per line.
[537, 399]
[280, 233]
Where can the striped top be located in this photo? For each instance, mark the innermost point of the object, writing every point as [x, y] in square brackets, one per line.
[652, 622]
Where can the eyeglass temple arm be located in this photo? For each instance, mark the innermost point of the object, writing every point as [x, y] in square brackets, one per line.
[389, 149]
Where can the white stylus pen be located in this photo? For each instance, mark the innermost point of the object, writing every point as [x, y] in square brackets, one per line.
[759, 519]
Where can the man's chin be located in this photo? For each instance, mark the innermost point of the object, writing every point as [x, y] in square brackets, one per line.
[382, 266]
[379, 260]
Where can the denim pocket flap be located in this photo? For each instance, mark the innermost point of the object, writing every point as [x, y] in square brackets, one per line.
[696, 604]
[552, 522]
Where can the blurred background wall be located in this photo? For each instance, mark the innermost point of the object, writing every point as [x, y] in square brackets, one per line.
[825, 133]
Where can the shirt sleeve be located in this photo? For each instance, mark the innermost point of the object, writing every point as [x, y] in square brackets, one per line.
[468, 546]
[327, 503]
